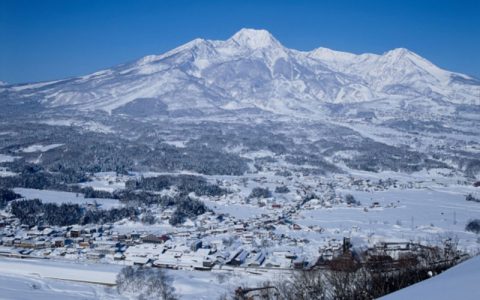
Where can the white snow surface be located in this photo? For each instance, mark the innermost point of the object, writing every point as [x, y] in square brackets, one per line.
[27, 287]
[40, 148]
[7, 158]
[27, 278]
[459, 282]
[59, 197]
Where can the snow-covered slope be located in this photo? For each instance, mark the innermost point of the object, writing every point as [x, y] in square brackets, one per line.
[253, 69]
[459, 282]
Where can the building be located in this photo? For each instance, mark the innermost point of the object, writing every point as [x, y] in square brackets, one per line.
[153, 239]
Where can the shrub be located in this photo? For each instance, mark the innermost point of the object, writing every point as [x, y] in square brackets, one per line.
[470, 197]
[473, 226]
[145, 283]
[282, 189]
[351, 200]
[259, 192]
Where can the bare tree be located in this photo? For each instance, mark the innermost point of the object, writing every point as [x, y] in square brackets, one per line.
[146, 283]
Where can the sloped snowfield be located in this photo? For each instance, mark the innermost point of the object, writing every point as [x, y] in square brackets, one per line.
[459, 282]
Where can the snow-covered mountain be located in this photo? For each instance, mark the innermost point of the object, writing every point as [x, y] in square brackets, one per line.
[254, 70]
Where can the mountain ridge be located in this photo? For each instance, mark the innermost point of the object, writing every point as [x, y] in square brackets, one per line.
[253, 69]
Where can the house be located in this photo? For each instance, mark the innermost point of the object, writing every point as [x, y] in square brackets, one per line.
[257, 260]
[273, 261]
[248, 238]
[195, 245]
[8, 241]
[153, 239]
[239, 228]
[299, 263]
[95, 255]
[284, 254]
[58, 242]
[24, 244]
[119, 237]
[208, 262]
[75, 233]
[118, 256]
[84, 244]
[138, 261]
[238, 258]
[134, 235]
[166, 260]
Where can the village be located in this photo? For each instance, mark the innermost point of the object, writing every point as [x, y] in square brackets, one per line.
[214, 240]
[193, 249]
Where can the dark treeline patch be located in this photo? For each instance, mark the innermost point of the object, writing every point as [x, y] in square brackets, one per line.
[141, 147]
[34, 212]
[470, 197]
[312, 160]
[91, 152]
[143, 198]
[259, 192]
[184, 184]
[36, 177]
[282, 189]
[473, 226]
[375, 157]
[186, 207]
[7, 195]
[89, 192]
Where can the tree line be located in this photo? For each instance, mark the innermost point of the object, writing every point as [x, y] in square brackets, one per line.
[34, 212]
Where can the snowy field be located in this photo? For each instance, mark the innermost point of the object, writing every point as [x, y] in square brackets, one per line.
[50, 279]
[240, 211]
[411, 214]
[40, 148]
[7, 158]
[28, 287]
[4, 172]
[66, 270]
[106, 181]
[47, 279]
[58, 197]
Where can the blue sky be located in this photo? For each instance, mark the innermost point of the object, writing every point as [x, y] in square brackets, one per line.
[45, 40]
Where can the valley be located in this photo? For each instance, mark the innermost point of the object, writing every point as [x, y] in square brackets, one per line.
[232, 163]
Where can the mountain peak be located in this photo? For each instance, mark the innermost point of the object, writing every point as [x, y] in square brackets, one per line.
[400, 52]
[254, 38]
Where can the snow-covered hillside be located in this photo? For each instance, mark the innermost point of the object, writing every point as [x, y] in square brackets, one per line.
[459, 282]
[254, 70]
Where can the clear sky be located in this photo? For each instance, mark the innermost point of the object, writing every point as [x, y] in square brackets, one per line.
[45, 40]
